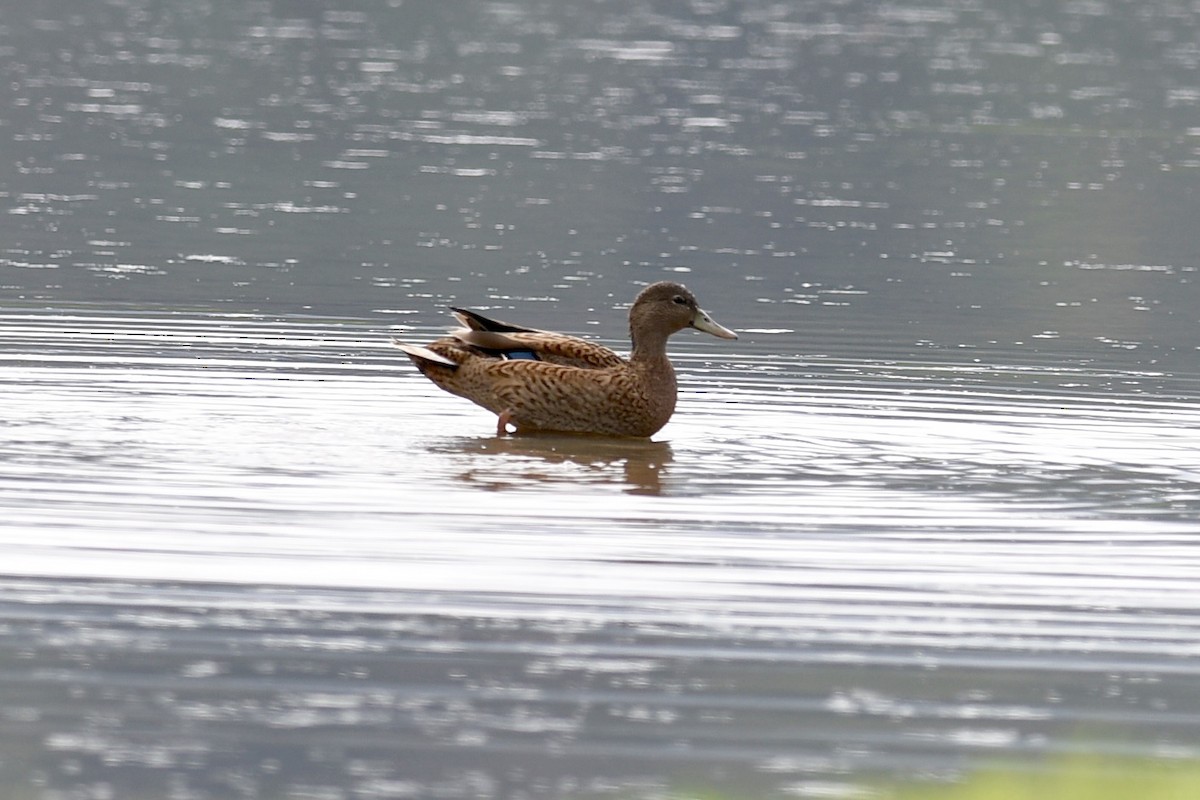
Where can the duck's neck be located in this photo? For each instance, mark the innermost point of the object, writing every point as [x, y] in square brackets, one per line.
[649, 349]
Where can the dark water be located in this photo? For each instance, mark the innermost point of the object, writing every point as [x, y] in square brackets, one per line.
[937, 508]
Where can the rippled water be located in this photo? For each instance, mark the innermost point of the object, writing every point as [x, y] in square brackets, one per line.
[265, 543]
[936, 508]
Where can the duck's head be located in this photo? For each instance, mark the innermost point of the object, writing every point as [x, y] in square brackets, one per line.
[666, 307]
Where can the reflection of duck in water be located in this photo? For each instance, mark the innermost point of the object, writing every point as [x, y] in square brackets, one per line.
[636, 467]
[537, 380]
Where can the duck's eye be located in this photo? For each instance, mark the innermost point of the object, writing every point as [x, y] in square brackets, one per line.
[679, 300]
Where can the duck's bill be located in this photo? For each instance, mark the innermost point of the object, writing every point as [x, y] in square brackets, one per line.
[703, 322]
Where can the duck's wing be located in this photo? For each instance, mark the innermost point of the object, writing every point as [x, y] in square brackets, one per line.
[499, 339]
[475, 321]
[555, 348]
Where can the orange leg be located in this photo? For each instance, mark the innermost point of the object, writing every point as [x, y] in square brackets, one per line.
[502, 423]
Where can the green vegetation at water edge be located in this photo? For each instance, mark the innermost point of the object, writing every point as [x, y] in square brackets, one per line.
[1086, 778]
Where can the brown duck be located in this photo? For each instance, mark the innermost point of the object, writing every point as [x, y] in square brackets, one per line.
[542, 381]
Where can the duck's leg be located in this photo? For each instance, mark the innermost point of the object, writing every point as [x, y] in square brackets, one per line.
[502, 422]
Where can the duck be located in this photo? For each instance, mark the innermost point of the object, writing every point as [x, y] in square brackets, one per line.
[540, 381]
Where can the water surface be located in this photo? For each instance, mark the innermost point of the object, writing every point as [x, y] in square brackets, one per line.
[936, 508]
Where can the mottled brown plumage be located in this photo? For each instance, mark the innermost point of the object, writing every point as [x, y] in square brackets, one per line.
[542, 381]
